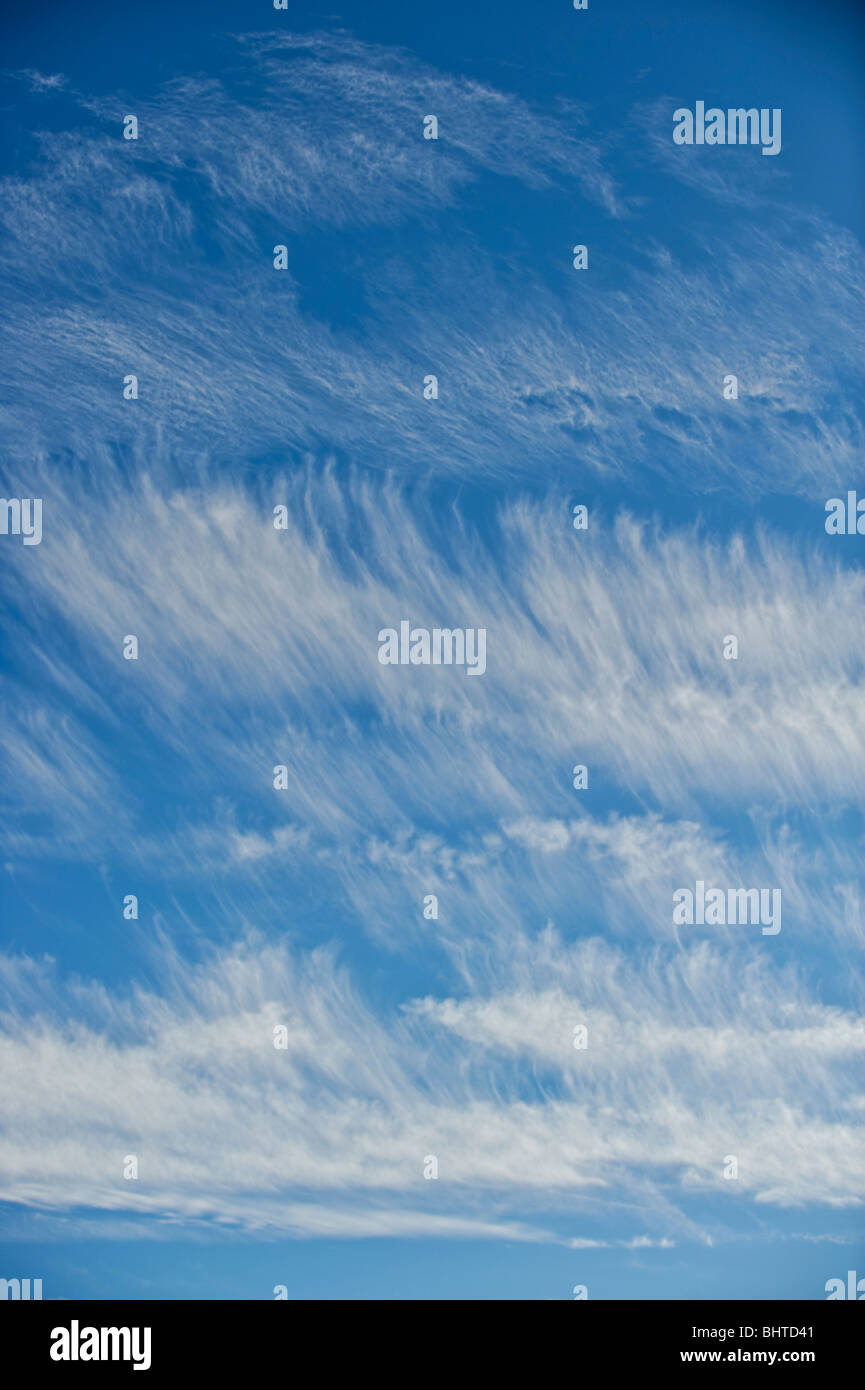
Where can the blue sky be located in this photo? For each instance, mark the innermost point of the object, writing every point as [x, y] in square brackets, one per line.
[303, 908]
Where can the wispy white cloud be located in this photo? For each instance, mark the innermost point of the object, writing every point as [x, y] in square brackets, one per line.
[688, 1060]
[178, 229]
[259, 648]
[40, 81]
[604, 647]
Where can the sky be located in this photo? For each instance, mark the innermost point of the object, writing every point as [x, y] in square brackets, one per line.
[291, 1035]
